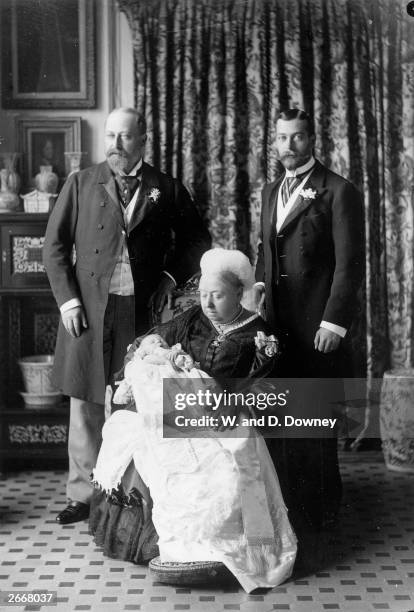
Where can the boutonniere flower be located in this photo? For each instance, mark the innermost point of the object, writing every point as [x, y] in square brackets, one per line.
[269, 345]
[154, 195]
[308, 194]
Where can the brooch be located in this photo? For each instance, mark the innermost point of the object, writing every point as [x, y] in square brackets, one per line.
[154, 194]
[219, 340]
[268, 344]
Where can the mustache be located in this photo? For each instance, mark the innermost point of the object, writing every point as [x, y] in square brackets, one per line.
[288, 154]
[118, 152]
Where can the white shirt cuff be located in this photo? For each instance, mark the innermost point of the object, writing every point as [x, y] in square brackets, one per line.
[337, 329]
[259, 284]
[171, 277]
[70, 304]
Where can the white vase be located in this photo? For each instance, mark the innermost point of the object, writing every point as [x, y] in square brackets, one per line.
[46, 181]
[39, 390]
[10, 183]
[13, 179]
[9, 200]
[73, 161]
[397, 419]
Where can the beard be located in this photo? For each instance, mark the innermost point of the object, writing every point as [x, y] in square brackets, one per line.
[118, 160]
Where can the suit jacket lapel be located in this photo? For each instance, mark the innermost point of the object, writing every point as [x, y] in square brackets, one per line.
[145, 204]
[273, 195]
[316, 184]
[107, 181]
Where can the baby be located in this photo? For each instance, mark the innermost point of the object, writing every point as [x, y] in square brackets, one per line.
[154, 349]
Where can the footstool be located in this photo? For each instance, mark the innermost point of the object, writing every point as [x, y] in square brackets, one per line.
[196, 572]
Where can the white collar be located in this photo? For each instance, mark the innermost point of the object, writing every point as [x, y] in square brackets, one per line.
[302, 169]
[134, 169]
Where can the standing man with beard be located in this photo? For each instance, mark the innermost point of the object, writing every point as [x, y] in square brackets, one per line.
[310, 265]
[119, 239]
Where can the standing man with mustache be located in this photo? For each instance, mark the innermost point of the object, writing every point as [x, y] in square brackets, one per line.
[119, 239]
[310, 265]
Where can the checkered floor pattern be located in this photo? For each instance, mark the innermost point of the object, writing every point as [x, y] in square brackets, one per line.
[367, 565]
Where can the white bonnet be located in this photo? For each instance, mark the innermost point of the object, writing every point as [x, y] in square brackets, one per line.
[219, 261]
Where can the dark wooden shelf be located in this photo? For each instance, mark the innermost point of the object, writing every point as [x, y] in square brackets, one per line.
[28, 323]
[24, 217]
[24, 291]
[30, 434]
[19, 407]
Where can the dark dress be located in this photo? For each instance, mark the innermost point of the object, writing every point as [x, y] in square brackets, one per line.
[121, 523]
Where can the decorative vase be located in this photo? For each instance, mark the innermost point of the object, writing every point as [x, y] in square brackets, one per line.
[46, 181]
[13, 180]
[9, 201]
[397, 419]
[73, 161]
[39, 390]
[10, 183]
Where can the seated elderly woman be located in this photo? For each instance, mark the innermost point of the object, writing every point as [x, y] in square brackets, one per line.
[208, 497]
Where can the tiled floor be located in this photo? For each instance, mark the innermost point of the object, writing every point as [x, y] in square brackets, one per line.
[368, 565]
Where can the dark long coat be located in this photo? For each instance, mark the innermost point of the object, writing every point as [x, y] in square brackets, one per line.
[312, 269]
[165, 233]
[313, 266]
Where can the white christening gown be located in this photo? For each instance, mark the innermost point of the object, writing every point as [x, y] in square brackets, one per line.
[214, 498]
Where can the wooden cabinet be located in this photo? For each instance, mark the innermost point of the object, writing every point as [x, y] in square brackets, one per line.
[21, 253]
[28, 324]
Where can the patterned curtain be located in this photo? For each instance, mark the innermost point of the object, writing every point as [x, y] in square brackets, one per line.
[211, 77]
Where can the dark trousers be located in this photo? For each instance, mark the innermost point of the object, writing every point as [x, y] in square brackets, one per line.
[308, 468]
[310, 480]
[118, 332]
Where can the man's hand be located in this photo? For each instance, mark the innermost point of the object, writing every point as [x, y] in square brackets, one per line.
[162, 294]
[326, 340]
[74, 321]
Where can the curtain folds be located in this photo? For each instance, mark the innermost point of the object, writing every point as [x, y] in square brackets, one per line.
[211, 77]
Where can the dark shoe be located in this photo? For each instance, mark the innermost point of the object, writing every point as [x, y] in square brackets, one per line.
[74, 512]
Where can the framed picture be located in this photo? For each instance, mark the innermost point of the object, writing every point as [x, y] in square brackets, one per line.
[48, 54]
[43, 142]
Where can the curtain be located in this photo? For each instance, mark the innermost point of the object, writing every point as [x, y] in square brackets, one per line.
[211, 78]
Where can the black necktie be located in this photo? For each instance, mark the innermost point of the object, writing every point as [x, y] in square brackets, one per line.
[127, 186]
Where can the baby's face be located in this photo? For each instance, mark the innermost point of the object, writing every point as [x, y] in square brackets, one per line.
[153, 341]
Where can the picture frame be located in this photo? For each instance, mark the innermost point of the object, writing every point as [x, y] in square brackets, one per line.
[43, 142]
[48, 54]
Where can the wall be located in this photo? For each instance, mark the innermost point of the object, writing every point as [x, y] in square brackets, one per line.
[28, 324]
[114, 85]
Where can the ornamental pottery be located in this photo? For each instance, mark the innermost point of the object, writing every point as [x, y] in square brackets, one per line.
[39, 390]
[9, 200]
[397, 419]
[13, 179]
[38, 201]
[47, 181]
[73, 159]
